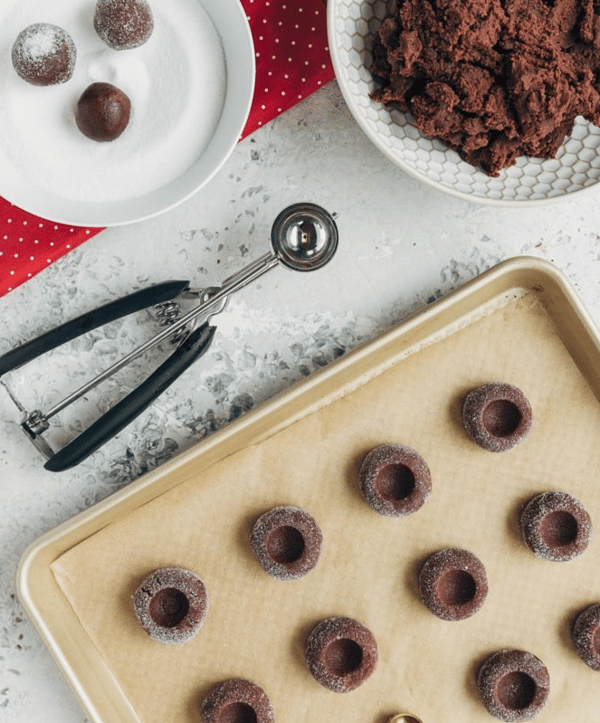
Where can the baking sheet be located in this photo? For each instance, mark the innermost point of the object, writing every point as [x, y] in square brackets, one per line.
[198, 512]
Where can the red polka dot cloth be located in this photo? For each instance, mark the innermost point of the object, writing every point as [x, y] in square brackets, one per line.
[292, 61]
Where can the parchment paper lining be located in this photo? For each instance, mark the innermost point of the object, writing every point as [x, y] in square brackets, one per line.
[256, 626]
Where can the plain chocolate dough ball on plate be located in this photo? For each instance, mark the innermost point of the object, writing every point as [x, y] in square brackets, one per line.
[102, 112]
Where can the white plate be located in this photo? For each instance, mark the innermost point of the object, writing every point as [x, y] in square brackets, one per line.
[352, 25]
[192, 38]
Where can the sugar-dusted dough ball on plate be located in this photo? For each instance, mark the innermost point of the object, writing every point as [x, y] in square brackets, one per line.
[44, 54]
[123, 24]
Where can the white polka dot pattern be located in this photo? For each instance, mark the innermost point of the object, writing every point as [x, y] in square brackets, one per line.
[292, 55]
[29, 244]
[352, 25]
[292, 61]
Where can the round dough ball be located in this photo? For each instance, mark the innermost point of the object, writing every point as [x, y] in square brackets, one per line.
[102, 112]
[497, 416]
[44, 54]
[585, 634]
[556, 526]
[514, 685]
[123, 24]
[237, 700]
[453, 584]
[171, 605]
[341, 653]
[394, 480]
[286, 541]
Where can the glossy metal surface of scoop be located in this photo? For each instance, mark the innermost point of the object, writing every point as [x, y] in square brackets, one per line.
[304, 237]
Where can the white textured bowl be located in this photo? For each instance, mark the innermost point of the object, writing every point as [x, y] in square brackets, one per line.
[235, 88]
[352, 25]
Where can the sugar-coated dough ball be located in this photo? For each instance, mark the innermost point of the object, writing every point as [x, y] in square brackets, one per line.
[286, 541]
[394, 480]
[237, 701]
[497, 416]
[123, 24]
[102, 112]
[341, 653]
[514, 685]
[453, 584]
[556, 526]
[585, 634]
[171, 605]
[44, 54]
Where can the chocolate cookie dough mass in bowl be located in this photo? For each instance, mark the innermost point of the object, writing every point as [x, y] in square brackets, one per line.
[493, 79]
[494, 101]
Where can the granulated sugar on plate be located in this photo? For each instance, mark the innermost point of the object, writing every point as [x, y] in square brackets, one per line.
[176, 83]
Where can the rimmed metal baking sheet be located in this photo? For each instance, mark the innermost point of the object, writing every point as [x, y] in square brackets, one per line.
[90, 664]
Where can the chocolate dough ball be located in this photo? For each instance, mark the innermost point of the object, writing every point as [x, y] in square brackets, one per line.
[44, 54]
[123, 24]
[341, 654]
[237, 701]
[287, 542]
[453, 584]
[394, 480]
[102, 112]
[171, 605]
[556, 526]
[497, 416]
[514, 685]
[585, 634]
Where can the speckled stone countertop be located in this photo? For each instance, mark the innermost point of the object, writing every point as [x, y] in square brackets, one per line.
[402, 245]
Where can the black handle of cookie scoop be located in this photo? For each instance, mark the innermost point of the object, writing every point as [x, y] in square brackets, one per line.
[87, 322]
[125, 411]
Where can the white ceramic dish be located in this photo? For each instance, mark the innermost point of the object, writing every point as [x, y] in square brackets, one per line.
[352, 24]
[217, 38]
